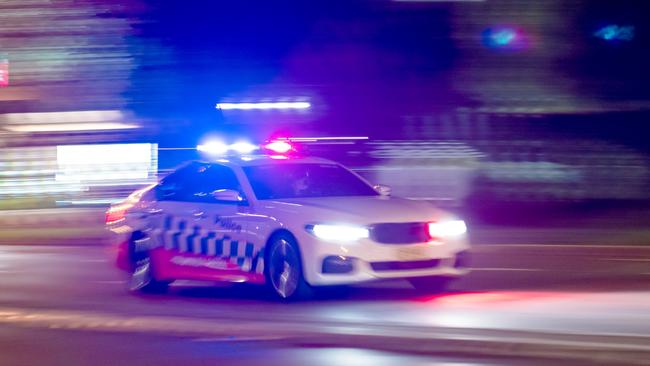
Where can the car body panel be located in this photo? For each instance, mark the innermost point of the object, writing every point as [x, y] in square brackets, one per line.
[189, 240]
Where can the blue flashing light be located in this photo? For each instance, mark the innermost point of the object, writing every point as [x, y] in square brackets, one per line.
[215, 147]
[616, 33]
[502, 38]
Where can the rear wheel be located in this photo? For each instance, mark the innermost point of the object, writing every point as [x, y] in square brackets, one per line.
[142, 276]
[431, 285]
[284, 269]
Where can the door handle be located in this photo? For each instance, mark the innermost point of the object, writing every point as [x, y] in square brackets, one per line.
[199, 215]
[140, 215]
[154, 212]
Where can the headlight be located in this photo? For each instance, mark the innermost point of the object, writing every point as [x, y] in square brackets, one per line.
[338, 232]
[446, 229]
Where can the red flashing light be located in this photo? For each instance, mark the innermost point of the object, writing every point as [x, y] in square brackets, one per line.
[280, 147]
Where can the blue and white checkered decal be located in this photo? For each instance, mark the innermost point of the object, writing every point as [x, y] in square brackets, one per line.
[178, 234]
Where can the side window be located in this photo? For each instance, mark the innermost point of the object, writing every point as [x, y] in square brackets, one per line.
[211, 178]
[174, 187]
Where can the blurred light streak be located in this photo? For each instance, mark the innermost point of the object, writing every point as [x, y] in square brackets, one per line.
[213, 147]
[105, 162]
[4, 72]
[65, 117]
[243, 147]
[90, 202]
[37, 187]
[264, 105]
[439, 1]
[325, 138]
[216, 147]
[65, 121]
[67, 127]
[13, 173]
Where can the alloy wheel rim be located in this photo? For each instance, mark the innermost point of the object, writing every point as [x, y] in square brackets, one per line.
[141, 275]
[283, 268]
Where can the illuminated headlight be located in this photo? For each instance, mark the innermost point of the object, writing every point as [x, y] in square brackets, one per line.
[338, 232]
[445, 229]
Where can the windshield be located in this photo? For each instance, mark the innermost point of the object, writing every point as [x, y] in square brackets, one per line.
[279, 181]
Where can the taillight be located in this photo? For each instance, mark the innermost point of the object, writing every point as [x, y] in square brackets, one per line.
[116, 213]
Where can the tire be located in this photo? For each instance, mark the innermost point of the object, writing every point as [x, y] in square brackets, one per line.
[283, 269]
[431, 285]
[141, 276]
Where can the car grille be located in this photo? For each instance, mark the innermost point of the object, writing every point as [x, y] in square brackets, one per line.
[400, 233]
[402, 266]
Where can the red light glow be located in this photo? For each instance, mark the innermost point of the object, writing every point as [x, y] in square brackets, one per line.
[117, 213]
[280, 147]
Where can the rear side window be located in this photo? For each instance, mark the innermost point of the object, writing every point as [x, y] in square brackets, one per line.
[196, 182]
[209, 179]
[174, 186]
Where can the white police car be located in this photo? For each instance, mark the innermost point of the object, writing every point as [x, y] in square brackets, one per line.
[289, 222]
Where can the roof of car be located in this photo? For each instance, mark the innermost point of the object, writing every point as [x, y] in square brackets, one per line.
[267, 160]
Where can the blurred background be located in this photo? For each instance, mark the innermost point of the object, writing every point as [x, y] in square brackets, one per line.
[476, 105]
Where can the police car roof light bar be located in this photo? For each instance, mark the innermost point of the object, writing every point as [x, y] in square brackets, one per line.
[279, 147]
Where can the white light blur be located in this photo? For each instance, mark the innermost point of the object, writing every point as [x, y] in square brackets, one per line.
[220, 148]
[37, 187]
[102, 162]
[449, 228]
[340, 232]
[65, 121]
[66, 127]
[264, 105]
[280, 147]
[243, 147]
[213, 147]
[65, 117]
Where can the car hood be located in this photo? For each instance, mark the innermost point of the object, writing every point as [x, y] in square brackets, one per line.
[360, 210]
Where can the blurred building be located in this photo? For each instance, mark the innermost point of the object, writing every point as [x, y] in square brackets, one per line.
[65, 134]
[500, 99]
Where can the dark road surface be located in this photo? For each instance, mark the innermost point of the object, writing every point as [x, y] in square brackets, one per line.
[67, 348]
[79, 296]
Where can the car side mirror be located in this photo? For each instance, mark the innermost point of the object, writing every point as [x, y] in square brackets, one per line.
[227, 195]
[382, 190]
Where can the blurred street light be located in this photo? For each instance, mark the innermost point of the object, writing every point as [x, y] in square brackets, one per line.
[264, 105]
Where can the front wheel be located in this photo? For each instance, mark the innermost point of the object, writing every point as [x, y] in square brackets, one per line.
[431, 285]
[284, 269]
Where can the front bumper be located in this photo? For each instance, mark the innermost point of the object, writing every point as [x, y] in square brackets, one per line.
[364, 271]
[327, 263]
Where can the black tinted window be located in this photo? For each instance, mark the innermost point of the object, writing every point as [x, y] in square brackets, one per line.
[174, 186]
[210, 178]
[294, 180]
[196, 182]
